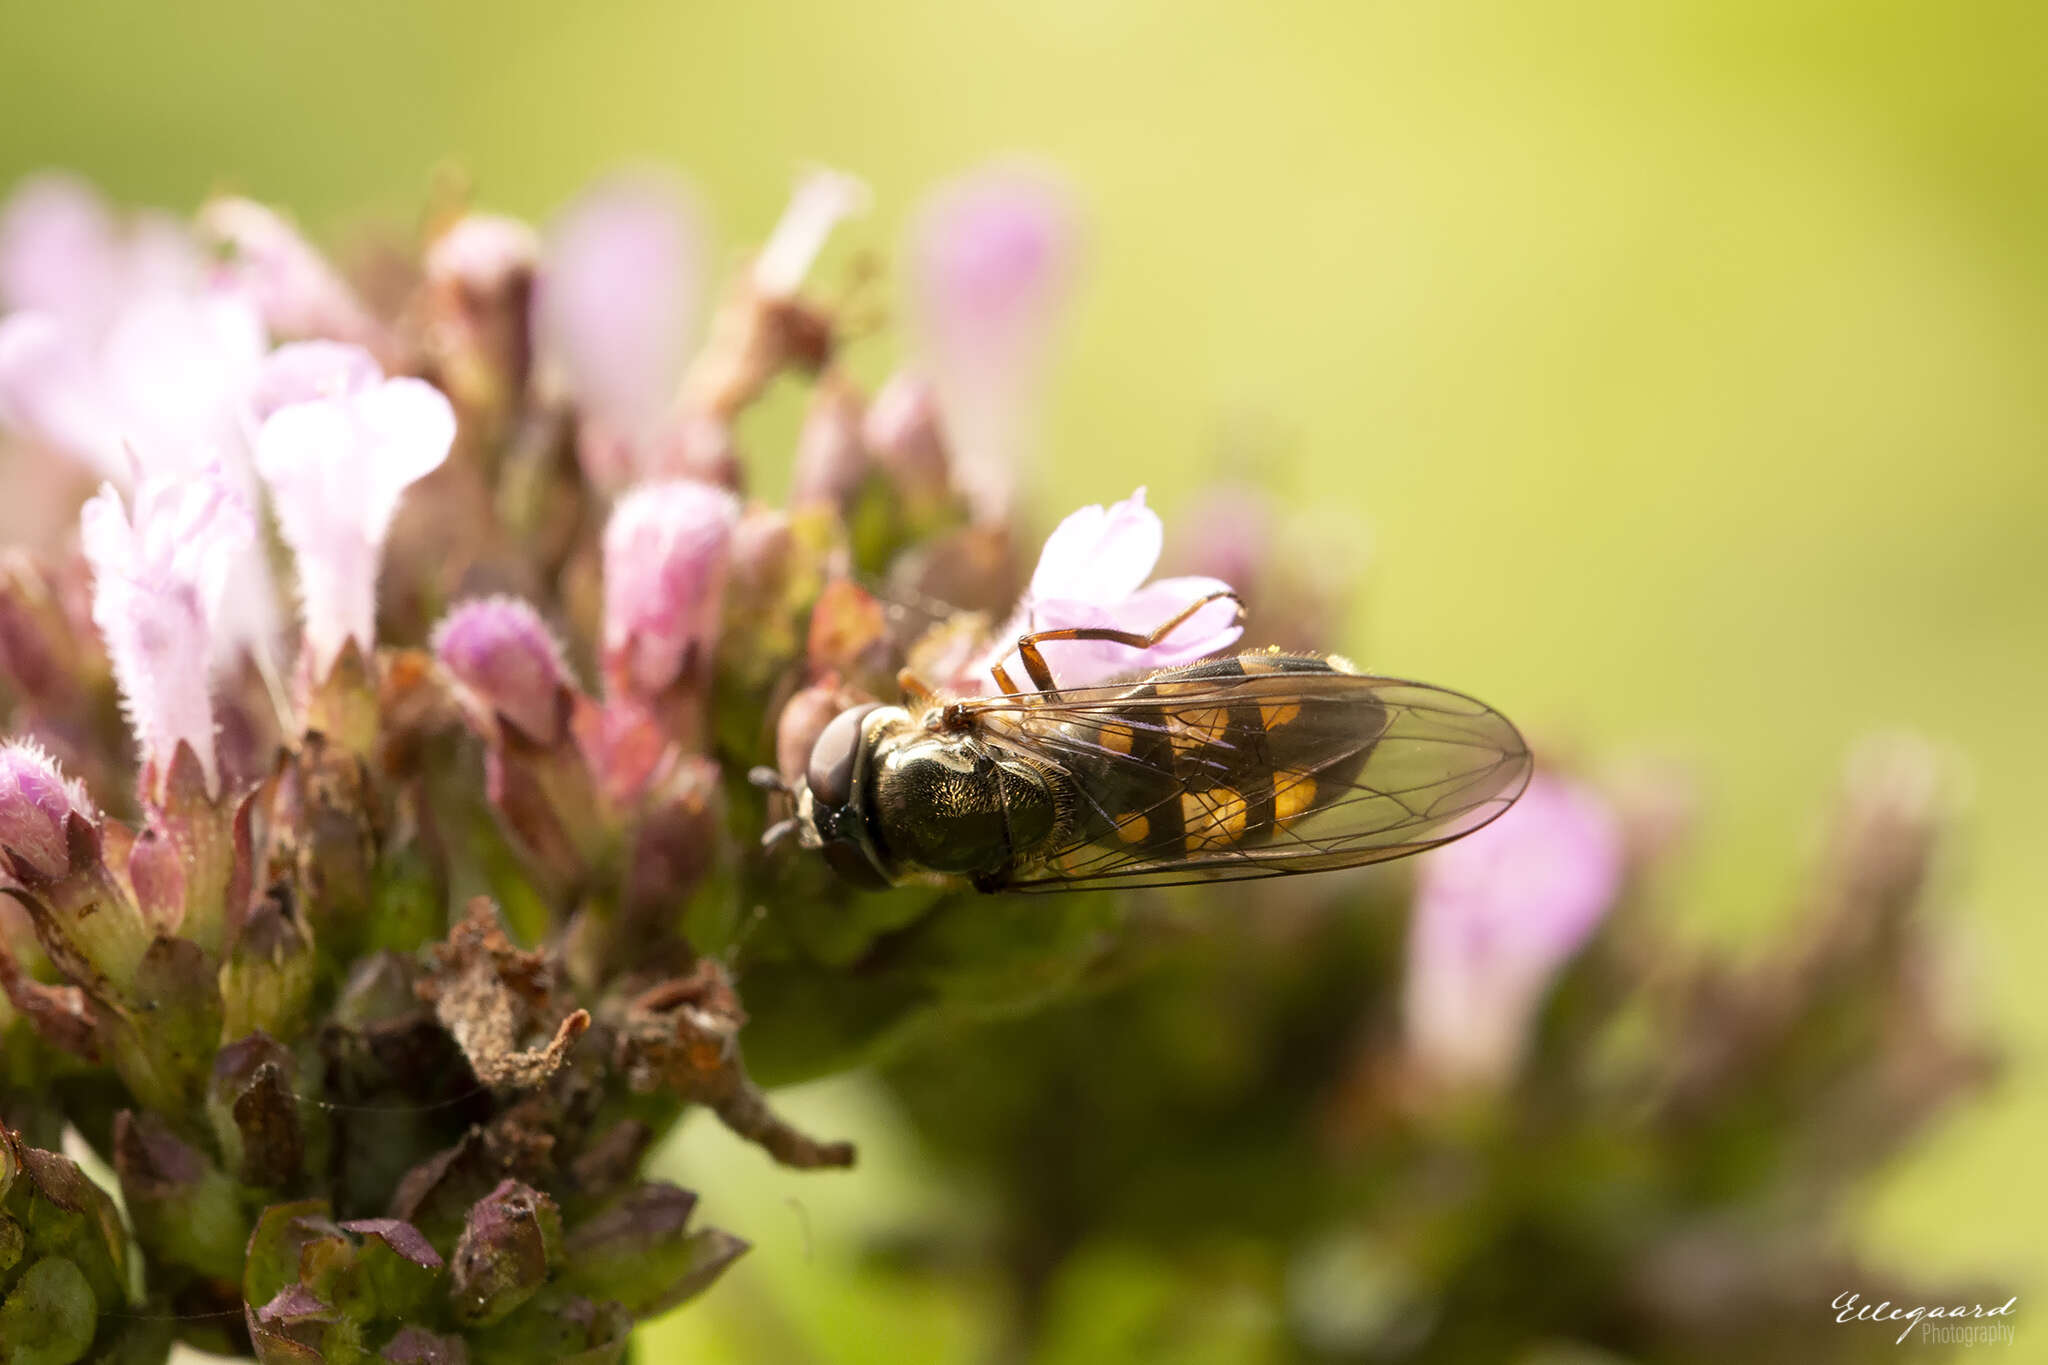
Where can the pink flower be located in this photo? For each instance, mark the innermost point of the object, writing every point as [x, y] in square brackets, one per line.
[618, 299]
[158, 581]
[36, 803]
[58, 240]
[162, 385]
[483, 250]
[665, 553]
[902, 429]
[306, 370]
[63, 252]
[294, 288]
[821, 199]
[1497, 914]
[153, 383]
[500, 649]
[337, 464]
[992, 259]
[1092, 572]
[119, 354]
[831, 457]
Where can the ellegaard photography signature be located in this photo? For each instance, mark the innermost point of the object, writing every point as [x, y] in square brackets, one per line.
[1958, 1325]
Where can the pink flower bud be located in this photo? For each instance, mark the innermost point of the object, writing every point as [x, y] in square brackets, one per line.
[903, 433]
[620, 292]
[804, 717]
[830, 459]
[501, 650]
[992, 259]
[665, 551]
[1092, 574]
[337, 466]
[159, 578]
[298, 293]
[35, 804]
[482, 252]
[476, 312]
[1497, 914]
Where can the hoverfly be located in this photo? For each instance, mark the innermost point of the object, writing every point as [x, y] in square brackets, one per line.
[1253, 765]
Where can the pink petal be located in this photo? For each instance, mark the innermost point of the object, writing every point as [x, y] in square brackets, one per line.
[411, 427]
[296, 291]
[178, 368]
[1100, 554]
[35, 803]
[665, 553]
[51, 392]
[501, 650]
[337, 468]
[158, 581]
[59, 249]
[304, 370]
[1497, 914]
[990, 271]
[1088, 663]
[620, 290]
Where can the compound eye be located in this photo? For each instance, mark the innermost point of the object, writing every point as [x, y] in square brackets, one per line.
[830, 773]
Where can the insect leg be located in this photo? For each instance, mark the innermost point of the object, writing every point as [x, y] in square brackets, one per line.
[915, 690]
[1041, 672]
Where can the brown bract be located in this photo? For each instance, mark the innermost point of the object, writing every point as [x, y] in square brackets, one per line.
[492, 998]
[683, 1035]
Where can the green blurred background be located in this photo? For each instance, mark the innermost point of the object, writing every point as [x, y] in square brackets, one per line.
[1679, 371]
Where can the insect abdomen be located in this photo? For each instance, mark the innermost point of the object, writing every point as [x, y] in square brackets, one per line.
[1211, 777]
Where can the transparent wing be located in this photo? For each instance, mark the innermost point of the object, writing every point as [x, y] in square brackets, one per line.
[1181, 779]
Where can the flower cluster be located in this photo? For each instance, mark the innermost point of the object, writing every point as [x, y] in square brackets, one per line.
[382, 875]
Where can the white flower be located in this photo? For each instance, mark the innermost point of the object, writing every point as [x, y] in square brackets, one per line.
[159, 577]
[337, 464]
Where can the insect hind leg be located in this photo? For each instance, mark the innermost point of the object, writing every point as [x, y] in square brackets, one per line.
[1041, 672]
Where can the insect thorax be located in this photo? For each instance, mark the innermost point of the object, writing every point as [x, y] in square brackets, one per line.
[953, 804]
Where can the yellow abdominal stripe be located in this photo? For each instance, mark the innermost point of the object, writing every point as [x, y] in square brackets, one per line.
[1274, 714]
[1293, 794]
[1212, 818]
